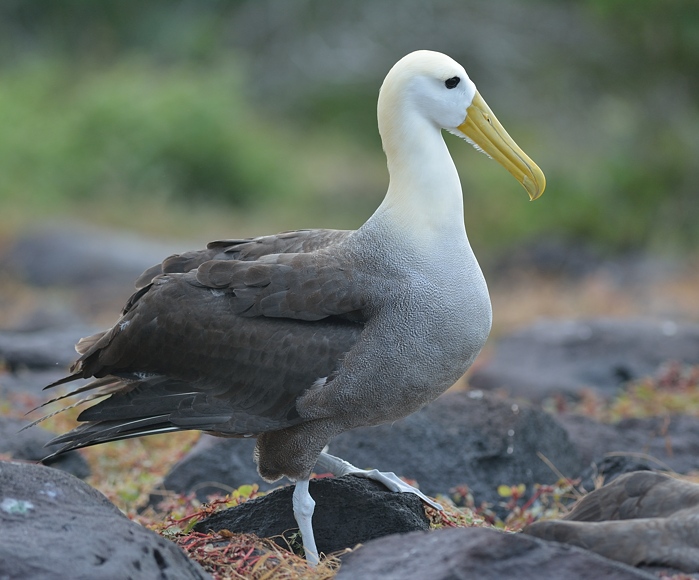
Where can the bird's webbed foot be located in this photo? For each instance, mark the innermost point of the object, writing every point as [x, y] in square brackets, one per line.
[339, 467]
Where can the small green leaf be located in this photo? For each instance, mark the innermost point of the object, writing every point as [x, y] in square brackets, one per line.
[504, 491]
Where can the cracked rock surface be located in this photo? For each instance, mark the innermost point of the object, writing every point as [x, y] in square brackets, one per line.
[56, 526]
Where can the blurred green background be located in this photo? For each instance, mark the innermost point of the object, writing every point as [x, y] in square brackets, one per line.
[202, 119]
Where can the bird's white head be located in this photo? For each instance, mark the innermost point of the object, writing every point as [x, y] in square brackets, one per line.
[430, 87]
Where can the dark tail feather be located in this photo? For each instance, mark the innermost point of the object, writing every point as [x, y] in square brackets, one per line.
[107, 385]
[105, 431]
[103, 382]
[64, 380]
[72, 406]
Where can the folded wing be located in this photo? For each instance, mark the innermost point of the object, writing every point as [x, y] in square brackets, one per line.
[226, 346]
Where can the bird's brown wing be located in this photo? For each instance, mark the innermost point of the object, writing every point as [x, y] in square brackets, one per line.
[226, 348]
[640, 518]
[298, 241]
[640, 494]
[300, 286]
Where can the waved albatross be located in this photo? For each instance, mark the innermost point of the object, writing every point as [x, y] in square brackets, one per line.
[297, 337]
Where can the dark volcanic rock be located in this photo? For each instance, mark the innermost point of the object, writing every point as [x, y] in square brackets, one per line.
[459, 439]
[47, 349]
[453, 553]
[567, 356]
[77, 256]
[30, 445]
[55, 526]
[215, 466]
[610, 467]
[480, 442]
[548, 256]
[670, 442]
[97, 266]
[25, 381]
[349, 510]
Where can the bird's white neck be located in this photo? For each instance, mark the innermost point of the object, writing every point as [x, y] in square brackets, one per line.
[424, 197]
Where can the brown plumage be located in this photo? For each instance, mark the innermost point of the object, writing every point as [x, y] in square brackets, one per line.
[640, 518]
[176, 363]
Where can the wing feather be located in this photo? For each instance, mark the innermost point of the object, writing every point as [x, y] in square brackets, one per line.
[300, 286]
[222, 340]
[247, 249]
[201, 366]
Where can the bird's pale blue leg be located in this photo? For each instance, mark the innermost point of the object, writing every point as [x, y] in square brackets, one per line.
[339, 467]
[303, 512]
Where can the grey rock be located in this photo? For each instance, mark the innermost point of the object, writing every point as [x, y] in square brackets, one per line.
[553, 357]
[215, 466]
[48, 349]
[610, 467]
[78, 256]
[94, 268]
[349, 510]
[28, 381]
[561, 258]
[55, 526]
[465, 439]
[670, 442]
[455, 553]
[550, 256]
[30, 445]
[50, 311]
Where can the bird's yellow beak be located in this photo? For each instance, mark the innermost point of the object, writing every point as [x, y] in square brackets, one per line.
[485, 131]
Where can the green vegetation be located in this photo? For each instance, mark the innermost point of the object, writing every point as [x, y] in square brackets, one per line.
[135, 129]
[673, 391]
[112, 111]
[178, 142]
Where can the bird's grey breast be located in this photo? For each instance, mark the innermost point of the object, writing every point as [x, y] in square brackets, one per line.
[437, 292]
[428, 317]
[442, 313]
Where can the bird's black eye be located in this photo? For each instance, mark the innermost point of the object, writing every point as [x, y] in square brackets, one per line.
[452, 82]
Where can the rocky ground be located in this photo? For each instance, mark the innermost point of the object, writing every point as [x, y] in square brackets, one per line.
[592, 372]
